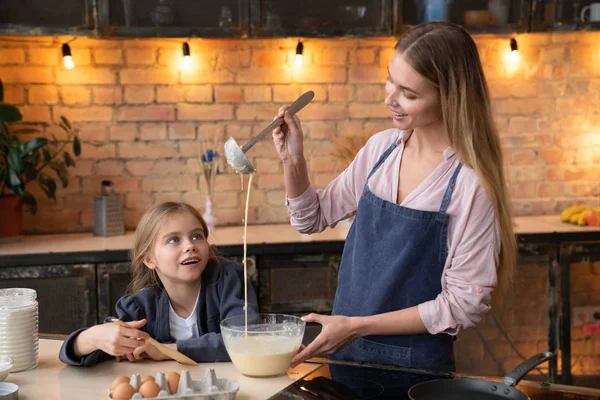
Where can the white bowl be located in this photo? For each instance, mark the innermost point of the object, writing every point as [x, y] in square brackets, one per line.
[6, 365]
[9, 391]
[17, 297]
[21, 348]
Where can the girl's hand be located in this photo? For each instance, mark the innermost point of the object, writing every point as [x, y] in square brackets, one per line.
[338, 332]
[150, 352]
[288, 137]
[111, 338]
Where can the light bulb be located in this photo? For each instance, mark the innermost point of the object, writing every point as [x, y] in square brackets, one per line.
[299, 51]
[67, 59]
[514, 56]
[514, 50]
[187, 59]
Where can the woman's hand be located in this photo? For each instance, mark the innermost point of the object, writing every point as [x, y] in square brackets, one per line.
[288, 137]
[338, 332]
[111, 338]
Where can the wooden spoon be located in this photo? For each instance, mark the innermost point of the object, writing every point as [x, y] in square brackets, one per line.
[174, 354]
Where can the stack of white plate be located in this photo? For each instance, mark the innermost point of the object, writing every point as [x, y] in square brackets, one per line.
[19, 327]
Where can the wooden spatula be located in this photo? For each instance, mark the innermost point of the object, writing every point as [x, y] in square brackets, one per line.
[174, 354]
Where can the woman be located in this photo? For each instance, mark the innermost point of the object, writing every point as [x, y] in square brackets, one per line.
[433, 232]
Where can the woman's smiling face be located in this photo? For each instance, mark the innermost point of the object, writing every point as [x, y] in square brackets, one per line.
[414, 101]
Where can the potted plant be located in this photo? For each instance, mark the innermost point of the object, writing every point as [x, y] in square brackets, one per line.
[40, 159]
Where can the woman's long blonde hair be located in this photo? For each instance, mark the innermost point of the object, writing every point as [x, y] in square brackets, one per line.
[445, 55]
[146, 234]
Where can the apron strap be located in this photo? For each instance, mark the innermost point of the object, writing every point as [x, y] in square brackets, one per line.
[382, 159]
[450, 189]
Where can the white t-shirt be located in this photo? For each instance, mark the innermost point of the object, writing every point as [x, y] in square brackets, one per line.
[184, 328]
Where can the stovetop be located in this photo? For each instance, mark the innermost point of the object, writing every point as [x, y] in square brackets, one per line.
[348, 381]
[339, 380]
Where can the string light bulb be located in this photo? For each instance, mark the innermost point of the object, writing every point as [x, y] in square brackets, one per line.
[187, 59]
[67, 59]
[299, 51]
[514, 50]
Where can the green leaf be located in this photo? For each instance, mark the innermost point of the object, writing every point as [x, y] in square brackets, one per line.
[65, 121]
[64, 127]
[69, 161]
[30, 202]
[54, 139]
[34, 145]
[48, 185]
[76, 146]
[9, 113]
[14, 160]
[24, 131]
[14, 183]
[4, 135]
[30, 172]
[46, 154]
[61, 172]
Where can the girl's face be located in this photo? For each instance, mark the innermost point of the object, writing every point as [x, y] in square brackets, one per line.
[181, 251]
[413, 101]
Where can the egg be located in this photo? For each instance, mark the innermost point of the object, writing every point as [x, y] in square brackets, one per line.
[172, 381]
[147, 378]
[149, 389]
[118, 380]
[123, 391]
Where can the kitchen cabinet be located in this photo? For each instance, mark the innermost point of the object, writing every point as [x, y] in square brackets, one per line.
[41, 17]
[285, 18]
[170, 18]
[66, 294]
[565, 15]
[313, 19]
[299, 283]
[477, 16]
[113, 279]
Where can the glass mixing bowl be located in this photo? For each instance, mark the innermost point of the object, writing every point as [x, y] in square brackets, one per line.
[267, 347]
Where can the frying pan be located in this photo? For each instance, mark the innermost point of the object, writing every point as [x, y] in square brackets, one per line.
[474, 389]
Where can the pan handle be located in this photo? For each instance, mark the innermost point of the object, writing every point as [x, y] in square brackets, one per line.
[513, 378]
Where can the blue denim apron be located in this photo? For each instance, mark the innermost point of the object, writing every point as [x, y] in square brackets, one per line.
[393, 259]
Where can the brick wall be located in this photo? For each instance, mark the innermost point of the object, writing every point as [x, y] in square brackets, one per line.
[140, 117]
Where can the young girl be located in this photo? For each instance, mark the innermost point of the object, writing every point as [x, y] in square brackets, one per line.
[433, 231]
[180, 292]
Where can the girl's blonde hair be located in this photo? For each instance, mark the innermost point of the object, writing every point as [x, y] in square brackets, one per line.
[447, 56]
[146, 234]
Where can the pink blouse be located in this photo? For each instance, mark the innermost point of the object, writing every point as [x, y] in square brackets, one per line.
[469, 274]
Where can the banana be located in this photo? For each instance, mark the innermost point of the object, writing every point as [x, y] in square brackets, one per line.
[582, 217]
[566, 215]
[575, 217]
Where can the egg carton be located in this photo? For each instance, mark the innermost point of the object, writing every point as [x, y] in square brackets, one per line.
[208, 388]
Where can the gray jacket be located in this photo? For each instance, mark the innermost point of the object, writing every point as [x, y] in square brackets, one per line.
[221, 296]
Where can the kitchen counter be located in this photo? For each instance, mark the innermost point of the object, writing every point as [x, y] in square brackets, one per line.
[85, 247]
[91, 264]
[53, 380]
